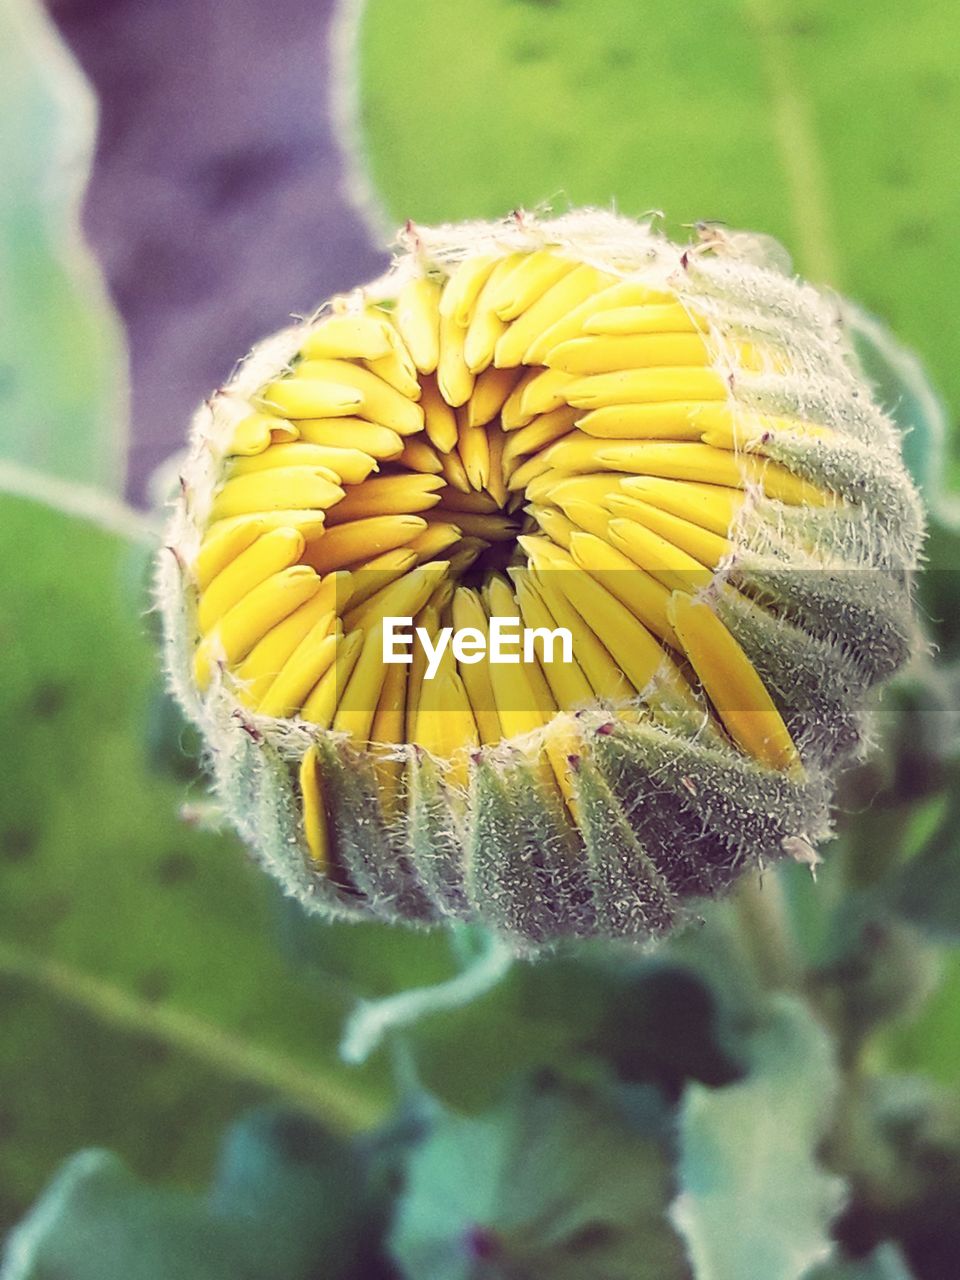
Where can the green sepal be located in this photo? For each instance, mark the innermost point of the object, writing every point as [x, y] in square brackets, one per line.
[692, 860]
[630, 895]
[525, 868]
[436, 845]
[374, 861]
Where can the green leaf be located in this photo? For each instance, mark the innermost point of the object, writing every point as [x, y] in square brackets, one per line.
[757, 113]
[930, 1041]
[63, 400]
[554, 1184]
[145, 998]
[288, 1200]
[753, 1204]
[903, 388]
[927, 889]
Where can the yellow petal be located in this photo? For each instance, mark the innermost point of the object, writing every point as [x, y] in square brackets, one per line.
[386, 731]
[588, 517]
[440, 419]
[629, 642]
[474, 451]
[530, 279]
[314, 810]
[277, 489]
[358, 700]
[257, 672]
[252, 434]
[360, 336]
[705, 464]
[435, 538]
[569, 686]
[453, 377]
[420, 456]
[492, 528]
[352, 433]
[454, 472]
[537, 434]
[655, 420]
[379, 401]
[544, 393]
[270, 553]
[706, 547]
[469, 612]
[397, 368]
[640, 386]
[607, 354]
[662, 317]
[453, 501]
[221, 545]
[463, 286]
[511, 415]
[446, 726]
[644, 596]
[571, 325]
[428, 620]
[387, 495]
[601, 672]
[417, 317]
[369, 576]
[362, 540]
[485, 326]
[401, 598]
[529, 470]
[313, 397]
[496, 479]
[303, 668]
[490, 393]
[248, 621]
[553, 523]
[350, 466]
[320, 707]
[658, 557]
[711, 506]
[732, 684]
[521, 342]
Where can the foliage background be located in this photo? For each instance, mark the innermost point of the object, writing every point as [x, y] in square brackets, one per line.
[153, 985]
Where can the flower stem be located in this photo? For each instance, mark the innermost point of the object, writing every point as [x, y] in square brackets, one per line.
[765, 931]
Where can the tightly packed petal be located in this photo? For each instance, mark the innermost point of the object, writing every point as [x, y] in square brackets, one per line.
[541, 429]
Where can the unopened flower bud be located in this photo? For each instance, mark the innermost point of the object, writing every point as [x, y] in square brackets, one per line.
[569, 430]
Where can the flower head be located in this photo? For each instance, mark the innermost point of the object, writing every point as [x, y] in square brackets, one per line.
[566, 429]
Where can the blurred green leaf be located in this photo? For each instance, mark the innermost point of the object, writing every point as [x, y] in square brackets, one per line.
[139, 966]
[762, 113]
[927, 889]
[753, 1203]
[551, 1185]
[930, 1041]
[903, 388]
[288, 1201]
[63, 398]
[898, 1148]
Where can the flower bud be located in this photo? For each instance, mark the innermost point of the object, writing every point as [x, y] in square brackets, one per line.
[662, 461]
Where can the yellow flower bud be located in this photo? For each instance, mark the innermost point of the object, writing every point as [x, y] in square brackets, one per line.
[656, 468]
